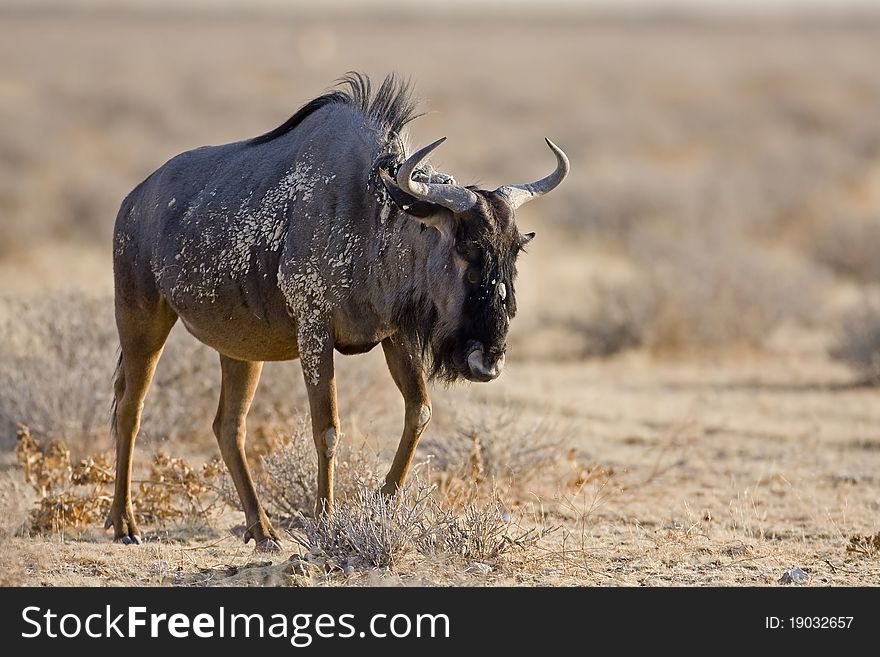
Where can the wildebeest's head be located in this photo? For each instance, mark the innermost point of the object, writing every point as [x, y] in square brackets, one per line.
[472, 265]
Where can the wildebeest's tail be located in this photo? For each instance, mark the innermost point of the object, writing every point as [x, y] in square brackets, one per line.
[118, 391]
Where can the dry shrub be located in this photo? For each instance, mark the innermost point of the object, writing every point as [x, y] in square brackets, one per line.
[868, 546]
[367, 529]
[76, 497]
[48, 470]
[700, 291]
[287, 482]
[501, 458]
[174, 489]
[483, 532]
[56, 363]
[452, 508]
[57, 374]
[43, 469]
[373, 531]
[849, 247]
[858, 341]
[616, 320]
[714, 292]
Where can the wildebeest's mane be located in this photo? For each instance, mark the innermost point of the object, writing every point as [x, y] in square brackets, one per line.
[391, 107]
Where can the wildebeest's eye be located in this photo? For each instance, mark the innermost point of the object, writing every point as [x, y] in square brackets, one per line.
[469, 251]
[473, 276]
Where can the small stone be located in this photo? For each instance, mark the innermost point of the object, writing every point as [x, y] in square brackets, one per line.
[158, 568]
[793, 576]
[479, 568]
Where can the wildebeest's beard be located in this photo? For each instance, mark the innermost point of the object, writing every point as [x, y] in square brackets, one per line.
[439, 344]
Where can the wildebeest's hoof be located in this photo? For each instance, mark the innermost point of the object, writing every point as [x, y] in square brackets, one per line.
[125, 530]
[261, 536]
[269, 545]
[389, 489]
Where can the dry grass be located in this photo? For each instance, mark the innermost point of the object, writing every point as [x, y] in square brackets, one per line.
[496, 451]
[367, 530]
[667, 490]
[57, 360]
[57, 370]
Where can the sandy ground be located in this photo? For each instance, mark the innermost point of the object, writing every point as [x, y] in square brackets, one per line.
[713, 473]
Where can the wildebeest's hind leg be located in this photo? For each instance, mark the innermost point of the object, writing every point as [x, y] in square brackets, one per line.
[410, 381]
[240, 380]
[142, 335]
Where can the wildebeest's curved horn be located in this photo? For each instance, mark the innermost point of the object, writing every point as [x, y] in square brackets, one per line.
[455, 198]
[519, 194]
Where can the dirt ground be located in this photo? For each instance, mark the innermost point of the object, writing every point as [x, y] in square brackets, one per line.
[671, 350]
[720, 473]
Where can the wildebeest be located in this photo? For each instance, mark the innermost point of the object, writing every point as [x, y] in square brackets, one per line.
[322, 234]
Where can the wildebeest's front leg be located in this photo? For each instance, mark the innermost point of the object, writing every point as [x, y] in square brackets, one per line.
[410, 380]
[316, 355]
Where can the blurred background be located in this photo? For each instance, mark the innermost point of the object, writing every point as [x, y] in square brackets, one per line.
[724, 195]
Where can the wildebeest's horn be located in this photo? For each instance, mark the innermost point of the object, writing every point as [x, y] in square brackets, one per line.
[519, 194]
[455, 198]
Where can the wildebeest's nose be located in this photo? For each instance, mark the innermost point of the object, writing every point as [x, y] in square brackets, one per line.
[481, 370]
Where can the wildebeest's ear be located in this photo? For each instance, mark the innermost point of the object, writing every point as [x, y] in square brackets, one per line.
[525, 238]
[406, 202]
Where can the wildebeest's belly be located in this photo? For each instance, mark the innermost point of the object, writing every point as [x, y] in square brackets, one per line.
[244, 339]
[241, 325]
